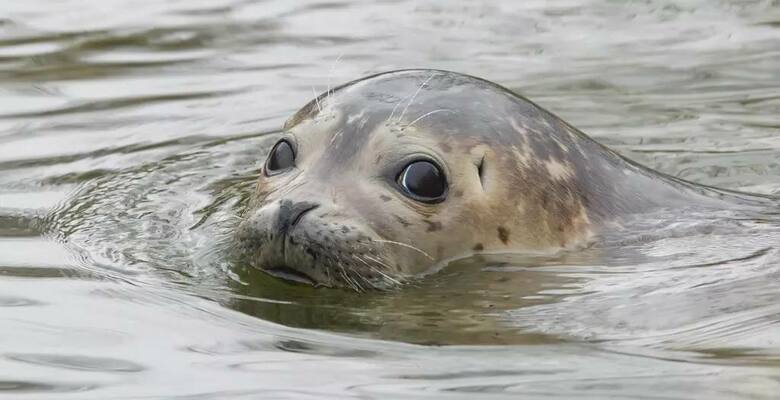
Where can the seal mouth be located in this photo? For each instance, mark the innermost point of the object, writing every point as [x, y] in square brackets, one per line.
[291, 275]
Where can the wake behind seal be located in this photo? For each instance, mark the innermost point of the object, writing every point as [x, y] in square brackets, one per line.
[393, 175]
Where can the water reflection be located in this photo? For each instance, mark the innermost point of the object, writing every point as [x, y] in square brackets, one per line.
[463, 304]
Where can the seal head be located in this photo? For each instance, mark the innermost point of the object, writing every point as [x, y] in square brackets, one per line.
[395, 174]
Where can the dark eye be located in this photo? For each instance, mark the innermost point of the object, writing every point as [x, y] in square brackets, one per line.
[282, 157]
[423, 181]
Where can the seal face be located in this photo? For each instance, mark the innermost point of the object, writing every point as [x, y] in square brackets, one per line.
[395, 174]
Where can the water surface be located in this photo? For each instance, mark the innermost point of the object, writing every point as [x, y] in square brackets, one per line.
[131, 134]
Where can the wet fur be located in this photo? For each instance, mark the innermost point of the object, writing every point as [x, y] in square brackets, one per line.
[521, 179]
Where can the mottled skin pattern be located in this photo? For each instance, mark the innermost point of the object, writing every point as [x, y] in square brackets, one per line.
[520, 180]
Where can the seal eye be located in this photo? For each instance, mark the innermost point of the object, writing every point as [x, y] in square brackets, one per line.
[282, 157]
[423, 181]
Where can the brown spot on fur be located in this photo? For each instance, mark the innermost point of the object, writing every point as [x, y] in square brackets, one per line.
[457, 193]
[432, 225]
[445, 147]
[503, 234]
[385, 197]
[478, 247]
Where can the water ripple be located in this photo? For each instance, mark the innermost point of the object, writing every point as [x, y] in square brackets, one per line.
[131, 134]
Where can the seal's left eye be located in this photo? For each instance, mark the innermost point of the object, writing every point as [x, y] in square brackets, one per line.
[423, 181]
[282, 157]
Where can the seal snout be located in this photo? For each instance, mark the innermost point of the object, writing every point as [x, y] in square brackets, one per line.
[330, 247]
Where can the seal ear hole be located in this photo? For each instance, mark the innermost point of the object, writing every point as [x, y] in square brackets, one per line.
[481, 171]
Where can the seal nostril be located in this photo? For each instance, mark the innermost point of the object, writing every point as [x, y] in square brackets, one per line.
[291, 213]
[304, 208]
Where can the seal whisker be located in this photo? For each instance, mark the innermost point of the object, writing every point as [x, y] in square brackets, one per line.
[316, 99]
[372, 268]
[427, 114]
[400, 117]
[379, 271]
[341, 271]
[401, 100]
[351, 282]
[336, 136]
[404, 245]
[346, 279]
[330, 74]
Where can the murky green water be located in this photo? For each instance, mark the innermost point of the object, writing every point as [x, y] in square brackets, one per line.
[130, 133]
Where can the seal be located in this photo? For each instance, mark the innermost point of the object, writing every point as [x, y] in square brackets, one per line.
[396, 174]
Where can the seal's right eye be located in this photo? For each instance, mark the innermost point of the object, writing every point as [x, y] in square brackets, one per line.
[282, 157]
[423, 181]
